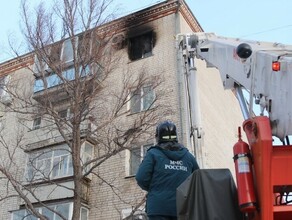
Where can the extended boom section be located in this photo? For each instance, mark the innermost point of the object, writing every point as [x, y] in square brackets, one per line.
[264, 69]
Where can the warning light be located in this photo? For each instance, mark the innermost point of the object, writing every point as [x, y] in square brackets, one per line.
[276, 66]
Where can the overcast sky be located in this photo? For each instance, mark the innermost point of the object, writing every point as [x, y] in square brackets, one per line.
[266, 20]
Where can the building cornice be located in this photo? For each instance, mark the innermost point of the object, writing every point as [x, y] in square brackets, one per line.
[120, 25]
[16, 64]
[189, 17]
[153, 13]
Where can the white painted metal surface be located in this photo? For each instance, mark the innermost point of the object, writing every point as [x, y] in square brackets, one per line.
[272, 89]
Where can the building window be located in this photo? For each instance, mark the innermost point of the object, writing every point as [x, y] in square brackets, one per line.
[55, 162]
[138, 214]
[54, 80]
[142, 99]
[141, 46]
[3, 84]
[84, 213]
[64, 113]
[40, 65]
[5, 97]
[23, 215]
[49, 164]
[68, 50]
[64, 51]
[86, 156]
[136, 156]
[65, 209]
[55, 53]
[62, 209]
[84, 45]
[36, 123]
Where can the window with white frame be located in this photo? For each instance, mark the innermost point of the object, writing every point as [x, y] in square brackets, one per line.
[84, 212]
[55, 162]
[64, 209]
[142, 99]
[64, 51]
[64, 113]
[86, 156]
[23, 214]
[5, 97]
[41, 60]
[52, 79]
[84, 45]
[36, 123]
[3, 84]
[49, 164]
[138, 214]
[137, 153]
[54, 54]
[67, 54]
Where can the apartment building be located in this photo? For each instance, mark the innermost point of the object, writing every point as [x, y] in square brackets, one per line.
[37, 139]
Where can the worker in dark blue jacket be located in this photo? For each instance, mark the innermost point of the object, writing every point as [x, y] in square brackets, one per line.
[165, 166]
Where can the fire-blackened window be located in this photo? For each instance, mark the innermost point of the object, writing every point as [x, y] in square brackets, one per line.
[141, 46]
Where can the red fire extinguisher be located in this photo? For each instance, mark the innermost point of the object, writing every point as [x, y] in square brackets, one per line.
[244, 176]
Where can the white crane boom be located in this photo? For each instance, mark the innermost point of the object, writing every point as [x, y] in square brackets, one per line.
[262, 68]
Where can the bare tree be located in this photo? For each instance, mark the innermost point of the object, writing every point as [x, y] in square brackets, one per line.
[76, 67]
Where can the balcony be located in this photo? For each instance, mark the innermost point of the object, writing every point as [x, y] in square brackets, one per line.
[52, 85]
[52, 192]
[49, 135]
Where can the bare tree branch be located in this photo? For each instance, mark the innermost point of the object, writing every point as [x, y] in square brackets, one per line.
[77, 79]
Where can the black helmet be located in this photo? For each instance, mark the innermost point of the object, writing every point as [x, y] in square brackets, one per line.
[165, 132]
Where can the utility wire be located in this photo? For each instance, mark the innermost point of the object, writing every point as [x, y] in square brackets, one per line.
[265, 31]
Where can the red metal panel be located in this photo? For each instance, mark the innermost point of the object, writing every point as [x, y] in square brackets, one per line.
[272, 169]
[281, 165]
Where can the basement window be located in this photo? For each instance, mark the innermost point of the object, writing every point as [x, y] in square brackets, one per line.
[141, 46]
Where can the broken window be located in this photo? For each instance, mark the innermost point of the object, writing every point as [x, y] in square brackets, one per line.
[141, 46]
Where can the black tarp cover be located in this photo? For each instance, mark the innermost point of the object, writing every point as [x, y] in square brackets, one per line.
[208, 194]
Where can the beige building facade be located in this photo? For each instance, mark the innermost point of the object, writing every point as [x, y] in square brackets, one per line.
[113, 193]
